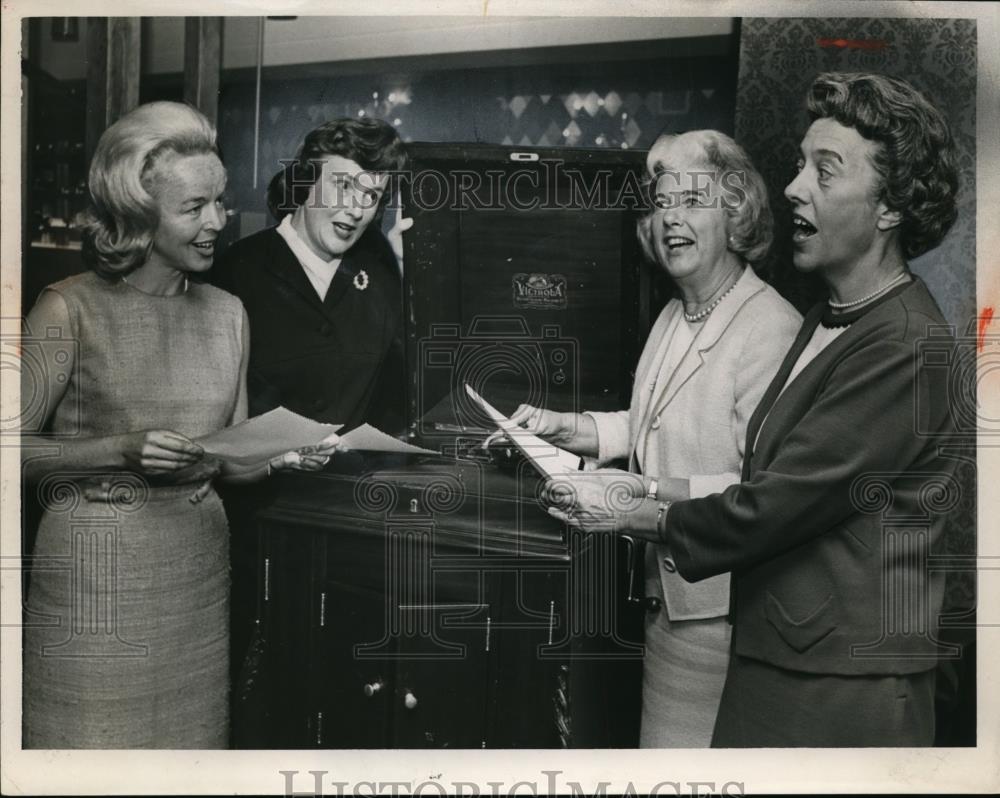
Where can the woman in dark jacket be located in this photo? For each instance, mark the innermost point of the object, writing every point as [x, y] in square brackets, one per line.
[322, 288]
[323, 294]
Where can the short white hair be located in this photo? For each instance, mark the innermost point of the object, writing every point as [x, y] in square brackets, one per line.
[751, 224]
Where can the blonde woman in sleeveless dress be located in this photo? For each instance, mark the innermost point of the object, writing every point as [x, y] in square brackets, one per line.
[126, 640]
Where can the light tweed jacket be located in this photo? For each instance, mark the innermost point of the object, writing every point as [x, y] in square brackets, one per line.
[702, 411]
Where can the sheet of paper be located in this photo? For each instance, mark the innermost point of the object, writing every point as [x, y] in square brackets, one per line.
[367, 438]
[262, 437]
[548, 459]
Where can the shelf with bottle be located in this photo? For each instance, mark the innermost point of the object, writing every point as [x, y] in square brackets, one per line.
[57, 193]
[56, 229]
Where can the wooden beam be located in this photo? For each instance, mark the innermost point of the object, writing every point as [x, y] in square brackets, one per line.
[113, 65]
[31, 32]
[203, 64]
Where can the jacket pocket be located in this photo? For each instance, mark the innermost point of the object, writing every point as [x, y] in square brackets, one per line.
[804, 633]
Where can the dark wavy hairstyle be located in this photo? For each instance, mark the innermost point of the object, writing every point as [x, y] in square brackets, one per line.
[916, 161]
[372, 144]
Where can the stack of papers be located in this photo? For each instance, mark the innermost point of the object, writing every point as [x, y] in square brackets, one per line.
[265, 436]
[280, 430]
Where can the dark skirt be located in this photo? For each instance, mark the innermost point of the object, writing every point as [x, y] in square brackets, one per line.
[764, 706]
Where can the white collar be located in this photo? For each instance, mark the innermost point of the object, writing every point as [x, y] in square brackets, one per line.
[309, 259]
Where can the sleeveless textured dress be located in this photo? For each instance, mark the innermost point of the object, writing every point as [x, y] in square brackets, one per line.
[126, 628]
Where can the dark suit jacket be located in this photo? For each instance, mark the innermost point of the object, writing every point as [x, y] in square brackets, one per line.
[339, 360]
[827, 535]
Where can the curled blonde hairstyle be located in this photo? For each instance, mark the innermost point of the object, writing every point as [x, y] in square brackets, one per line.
[745, 197]
[119, 225]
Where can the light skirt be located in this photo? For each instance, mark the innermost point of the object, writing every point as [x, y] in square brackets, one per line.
[682, 678]
[126, 644]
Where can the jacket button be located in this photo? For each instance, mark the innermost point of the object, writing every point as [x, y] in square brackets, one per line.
[656, 423]
[325, 328]
[669, 566]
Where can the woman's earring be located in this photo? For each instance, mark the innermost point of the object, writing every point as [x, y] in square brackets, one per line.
[732, 241]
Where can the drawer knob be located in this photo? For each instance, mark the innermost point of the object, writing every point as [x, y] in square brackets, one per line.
[409, 700]
[374, 687]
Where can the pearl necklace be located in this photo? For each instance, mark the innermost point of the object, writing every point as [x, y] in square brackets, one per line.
[693, 317]
[871, 296]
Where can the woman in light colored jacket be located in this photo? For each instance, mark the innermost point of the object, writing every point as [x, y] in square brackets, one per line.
[708, 359]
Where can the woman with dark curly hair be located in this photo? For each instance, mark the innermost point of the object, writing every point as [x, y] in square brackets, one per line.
[843, 484]
[322, 288]
[133, 650]
[323, 294]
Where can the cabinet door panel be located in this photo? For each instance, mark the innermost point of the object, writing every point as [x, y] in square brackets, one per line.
[442, 678]
[289, 621]
[527, 698]
[356, 675]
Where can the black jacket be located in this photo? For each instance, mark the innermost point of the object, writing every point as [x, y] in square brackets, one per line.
[339, 360]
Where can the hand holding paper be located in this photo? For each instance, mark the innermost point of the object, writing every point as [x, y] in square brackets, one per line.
[548, 459]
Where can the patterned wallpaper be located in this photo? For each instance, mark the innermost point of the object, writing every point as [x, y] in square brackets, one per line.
[617, 104]
[592, 120]
[778, 60]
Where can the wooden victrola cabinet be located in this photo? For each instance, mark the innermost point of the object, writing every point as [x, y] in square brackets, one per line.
[429, 603]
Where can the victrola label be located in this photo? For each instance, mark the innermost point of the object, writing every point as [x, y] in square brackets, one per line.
[539, 291]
